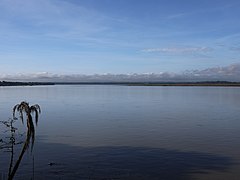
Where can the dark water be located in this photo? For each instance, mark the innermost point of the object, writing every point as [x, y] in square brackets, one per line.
[123, 132]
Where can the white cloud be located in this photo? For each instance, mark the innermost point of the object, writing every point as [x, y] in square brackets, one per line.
[235, 49]
[178, 50]
[176, 16]
[228, 73]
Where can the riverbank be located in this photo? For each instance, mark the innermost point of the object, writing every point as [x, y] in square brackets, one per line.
[8, 83]
[203, 83]
[222, 84]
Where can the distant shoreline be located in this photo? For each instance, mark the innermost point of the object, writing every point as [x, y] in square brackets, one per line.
[188, 84]
[8, 83]
[203, 83]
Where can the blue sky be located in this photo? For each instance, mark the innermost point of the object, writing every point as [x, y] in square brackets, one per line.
[122, 36]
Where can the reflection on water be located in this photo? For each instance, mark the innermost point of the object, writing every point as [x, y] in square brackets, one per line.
[120, 132]
[123, 162]
[58, 161]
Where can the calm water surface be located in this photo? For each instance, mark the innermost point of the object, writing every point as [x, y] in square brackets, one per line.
[124, 132]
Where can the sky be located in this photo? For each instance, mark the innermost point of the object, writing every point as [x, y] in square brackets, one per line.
[65, 37]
